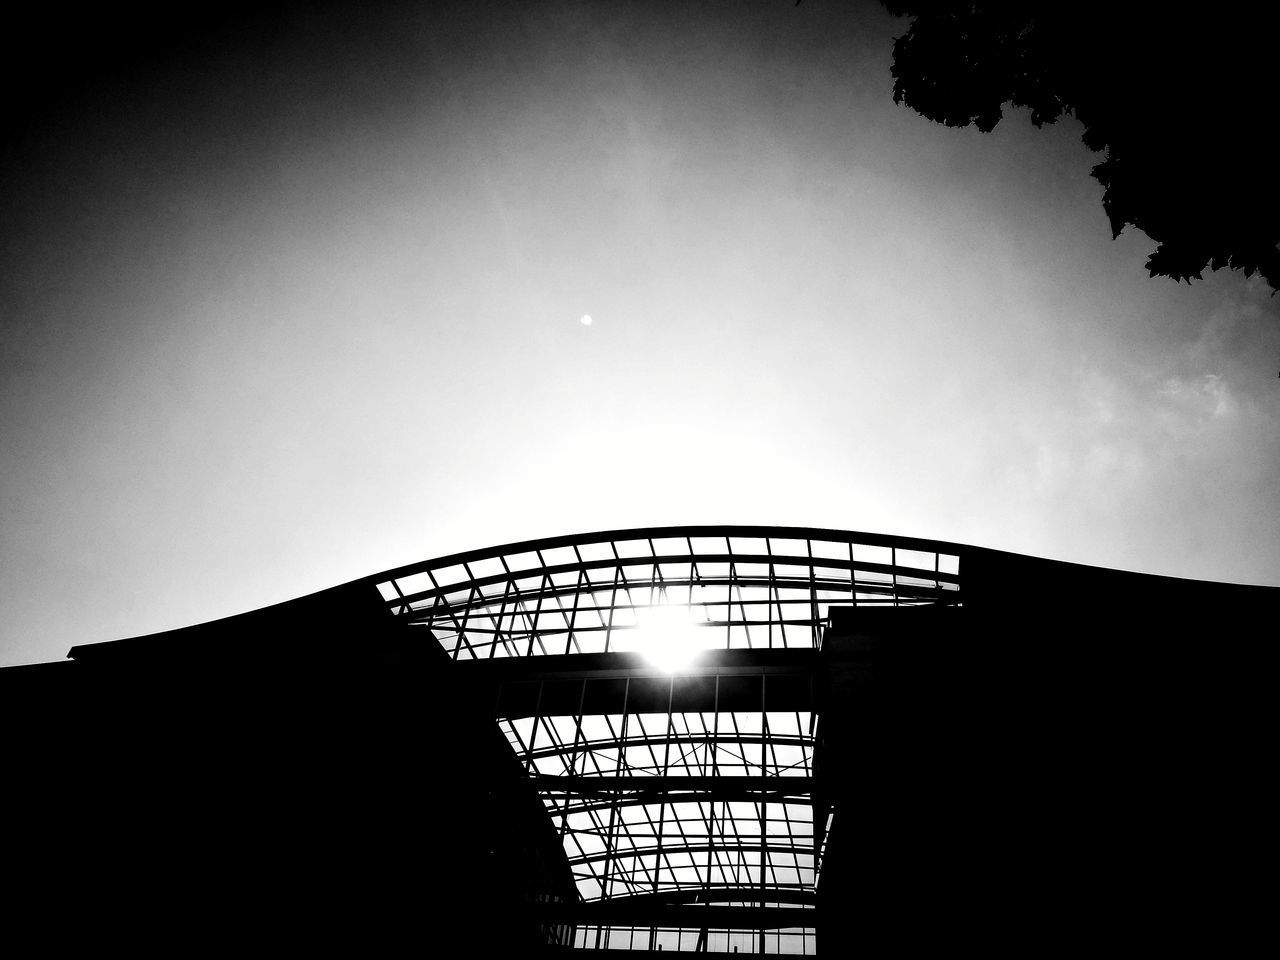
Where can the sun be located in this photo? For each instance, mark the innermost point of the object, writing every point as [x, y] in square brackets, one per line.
[669, 636]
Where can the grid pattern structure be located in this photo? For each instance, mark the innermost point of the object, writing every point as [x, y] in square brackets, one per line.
[752, 844]
[794, 941]
[627, 842]
[755, 587]
[705, 808]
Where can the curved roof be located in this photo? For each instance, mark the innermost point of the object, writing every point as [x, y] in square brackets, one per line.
[692, 787]
[693, 807]
[752, 587]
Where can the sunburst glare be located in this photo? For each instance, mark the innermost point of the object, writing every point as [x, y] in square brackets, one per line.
[669, 635]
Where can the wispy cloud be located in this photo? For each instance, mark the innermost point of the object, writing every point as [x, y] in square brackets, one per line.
[1180, 449]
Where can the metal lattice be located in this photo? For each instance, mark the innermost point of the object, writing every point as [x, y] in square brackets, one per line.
[713, 805]
[760, 587]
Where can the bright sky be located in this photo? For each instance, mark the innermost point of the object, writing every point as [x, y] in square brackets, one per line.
[318, 306]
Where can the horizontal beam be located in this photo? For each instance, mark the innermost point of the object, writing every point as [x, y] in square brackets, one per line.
[721, 893]
[631, 914]
[722, 738]
[561, 803]
[707, 663]
[723, 681]
[800, 847]
[707, 786]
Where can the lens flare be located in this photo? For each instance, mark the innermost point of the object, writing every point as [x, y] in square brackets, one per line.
[669, 636]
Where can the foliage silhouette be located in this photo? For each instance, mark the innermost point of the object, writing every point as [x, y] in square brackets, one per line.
[1181, 105]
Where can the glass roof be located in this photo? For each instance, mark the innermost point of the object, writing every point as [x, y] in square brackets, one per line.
[623, 842]
[700, 807]
[746, 587]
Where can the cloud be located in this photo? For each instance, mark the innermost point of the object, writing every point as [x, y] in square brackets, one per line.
[1177, 450]
[1189, 406]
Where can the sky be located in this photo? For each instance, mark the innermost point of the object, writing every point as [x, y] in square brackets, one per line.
[302, 301]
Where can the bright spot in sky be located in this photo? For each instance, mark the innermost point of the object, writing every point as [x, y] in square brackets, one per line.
[668, 636]
[586, 320]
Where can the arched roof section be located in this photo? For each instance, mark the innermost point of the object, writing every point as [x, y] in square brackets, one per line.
[748, 587]
[696, 790]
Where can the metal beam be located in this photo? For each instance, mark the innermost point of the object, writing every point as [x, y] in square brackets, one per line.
[721, 893]
[713, 786]
[723, 681]
[610, 913]
[575, 666]
[747, 844]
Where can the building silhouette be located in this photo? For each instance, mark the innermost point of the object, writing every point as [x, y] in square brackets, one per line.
[881, 743]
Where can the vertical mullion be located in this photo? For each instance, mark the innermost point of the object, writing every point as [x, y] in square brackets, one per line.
[613, 807]
[853, 579]
[768, 548]
[571, 640]
[893, 562]
[742, 606]
[613, 605]
[813, 597]
[662, 798]
[533, 734]
[711, 803]
[573, 755]
[534, 637]
[728, 607]
[764, 805]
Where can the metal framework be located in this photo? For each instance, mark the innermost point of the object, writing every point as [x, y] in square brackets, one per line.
[763, 587]
[692, 793]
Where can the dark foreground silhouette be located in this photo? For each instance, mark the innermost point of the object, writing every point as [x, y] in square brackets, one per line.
[1072, 757]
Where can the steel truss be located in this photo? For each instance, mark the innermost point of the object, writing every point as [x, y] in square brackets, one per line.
[688, 803]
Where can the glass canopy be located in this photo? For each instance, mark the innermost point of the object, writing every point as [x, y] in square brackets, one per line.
[750, 587]
[700, 793]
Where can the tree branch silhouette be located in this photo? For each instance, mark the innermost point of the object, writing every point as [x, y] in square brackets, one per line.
[1182, 108]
